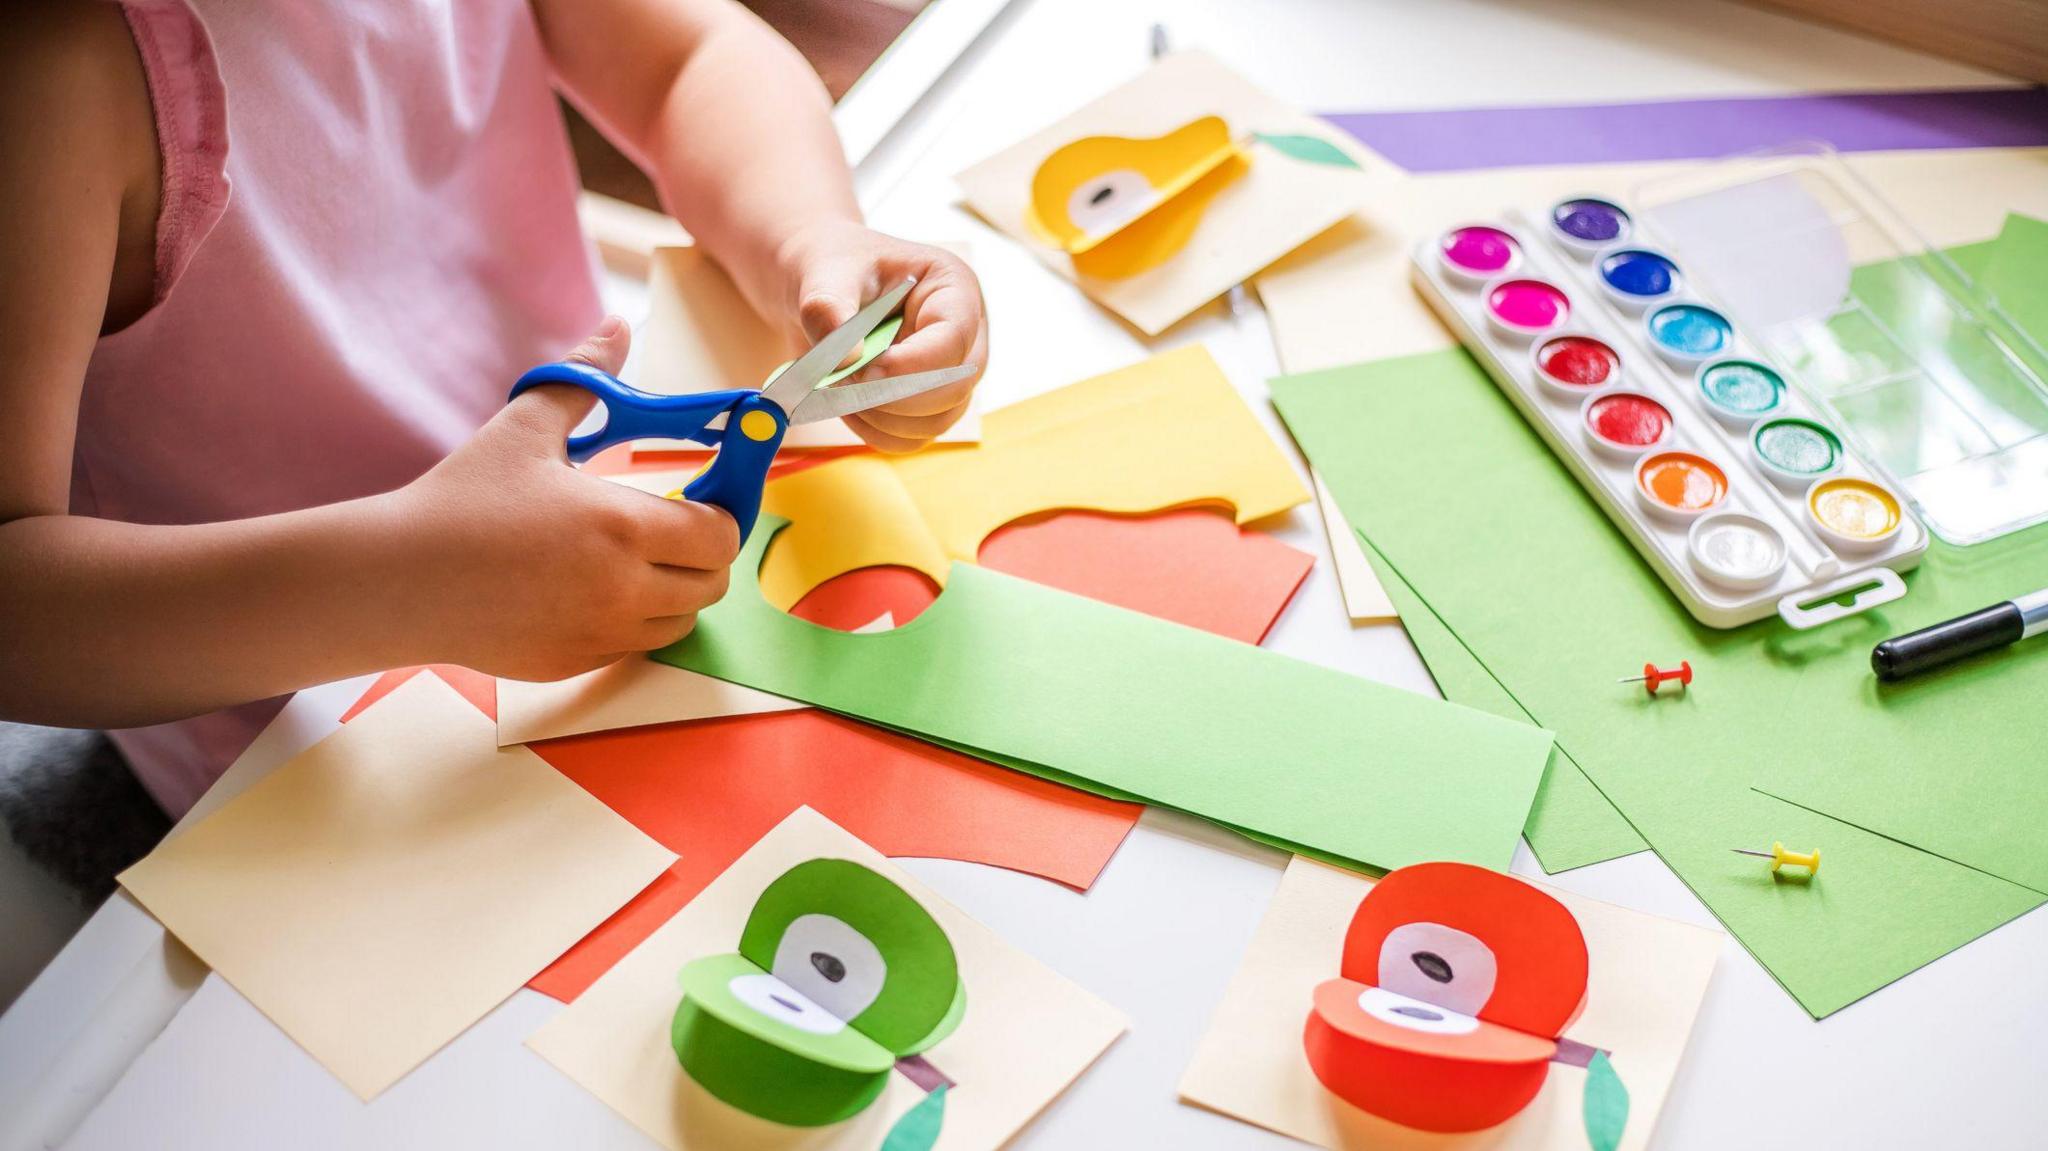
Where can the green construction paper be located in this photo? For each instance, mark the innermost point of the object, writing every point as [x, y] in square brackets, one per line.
[1429, 460]
[2014, 273]
[1124, 704]
[918, 1129]
[1308, 149]
[1571, 824]
[919, 979]
[1605, 1104]
[762, 1065]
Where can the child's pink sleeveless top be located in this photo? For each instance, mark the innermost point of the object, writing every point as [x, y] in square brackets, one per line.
[368, 231]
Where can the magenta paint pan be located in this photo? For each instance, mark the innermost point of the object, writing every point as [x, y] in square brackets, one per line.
[1476, 253]
[1524, 307]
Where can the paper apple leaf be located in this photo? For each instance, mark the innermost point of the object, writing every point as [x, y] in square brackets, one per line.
[839, 973]
[1308, 149]
[918, 1129]
[1606, 1104]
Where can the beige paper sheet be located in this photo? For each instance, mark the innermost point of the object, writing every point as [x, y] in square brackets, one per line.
[392, 884]
[1647, 978]
[701, 335]
[1365, 601]
[1345, 296]
[1027, 1034]
[1274, 207]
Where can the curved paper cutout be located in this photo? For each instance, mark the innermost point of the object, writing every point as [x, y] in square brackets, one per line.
[751, 1037]
[1428, 1055]
[1122, 205]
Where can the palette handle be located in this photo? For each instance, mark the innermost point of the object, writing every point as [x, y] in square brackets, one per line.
[1889, 587]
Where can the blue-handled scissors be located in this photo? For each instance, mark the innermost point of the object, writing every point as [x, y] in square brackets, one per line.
[734, 479]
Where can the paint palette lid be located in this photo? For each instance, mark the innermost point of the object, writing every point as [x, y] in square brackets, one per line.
[1842, 295]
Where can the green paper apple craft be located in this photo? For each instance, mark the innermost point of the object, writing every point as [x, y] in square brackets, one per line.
[1453, 995]
[840, 975]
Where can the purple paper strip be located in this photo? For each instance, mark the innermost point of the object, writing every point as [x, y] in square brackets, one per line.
[1461, 138]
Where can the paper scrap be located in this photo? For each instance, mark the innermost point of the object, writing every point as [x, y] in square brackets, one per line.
[1166, 432]
[389, 886]
[1365, 601]
[1773, 708]
[710, 789]
[701, 335]
[1241, 207]
[1025, 1035]
[1646, 978]
[1132, 707]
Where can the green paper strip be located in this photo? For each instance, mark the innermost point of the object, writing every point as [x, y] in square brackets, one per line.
[1571, 824]
[1308, 149]
[918, 1129]
[1435, 466]
[1605, 1104]
[1128, 705]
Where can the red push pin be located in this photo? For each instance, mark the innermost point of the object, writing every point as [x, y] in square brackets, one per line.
[1653, 676]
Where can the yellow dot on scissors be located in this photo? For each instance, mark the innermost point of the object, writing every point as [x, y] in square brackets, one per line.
[757, 425]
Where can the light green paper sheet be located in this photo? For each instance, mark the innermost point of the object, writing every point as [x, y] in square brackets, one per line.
[1571, 824]
[1426, 457]
[1117, 702]
[2014, 272]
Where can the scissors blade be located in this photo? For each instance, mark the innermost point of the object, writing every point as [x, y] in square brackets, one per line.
[846, 399]
[796, 381]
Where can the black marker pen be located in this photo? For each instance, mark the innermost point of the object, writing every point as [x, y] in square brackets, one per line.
[1930, 647]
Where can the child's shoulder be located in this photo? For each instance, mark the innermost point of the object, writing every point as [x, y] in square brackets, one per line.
[78, 148]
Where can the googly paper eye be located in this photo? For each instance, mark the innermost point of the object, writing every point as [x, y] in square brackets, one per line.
[1109, 201]
[1440, 965]
[827, 961]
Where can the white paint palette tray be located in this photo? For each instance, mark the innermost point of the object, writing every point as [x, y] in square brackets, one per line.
[1740, 493]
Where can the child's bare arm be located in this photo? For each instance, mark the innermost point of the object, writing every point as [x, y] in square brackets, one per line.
[737, 132]
[502, 557]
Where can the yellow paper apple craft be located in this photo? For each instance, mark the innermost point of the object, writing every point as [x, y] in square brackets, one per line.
[1454, 991]
[1122, 205]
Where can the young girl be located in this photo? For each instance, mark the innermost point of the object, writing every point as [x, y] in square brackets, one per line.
[266, 274]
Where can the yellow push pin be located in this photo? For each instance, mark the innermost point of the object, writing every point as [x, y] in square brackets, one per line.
[1779, 857]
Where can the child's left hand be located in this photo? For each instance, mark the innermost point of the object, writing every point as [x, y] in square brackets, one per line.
[832, 267]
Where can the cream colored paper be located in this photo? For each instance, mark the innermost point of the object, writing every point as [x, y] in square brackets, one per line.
[1027, 1034]
[1365, 601]
[701, 335]
[1277, 202]
[390, 885]
[1646, 981]
[634, 692]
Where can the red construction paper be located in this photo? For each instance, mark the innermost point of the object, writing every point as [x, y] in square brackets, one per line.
[479, 689]
[708, 790]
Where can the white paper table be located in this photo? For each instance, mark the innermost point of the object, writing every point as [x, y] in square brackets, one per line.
[1950, 1056]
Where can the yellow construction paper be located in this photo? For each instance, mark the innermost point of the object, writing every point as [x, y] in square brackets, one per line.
[1121, 205]
[1645, 984]
[1221, 229]
[1027, 1032]
[393, 883]
[1166, 432]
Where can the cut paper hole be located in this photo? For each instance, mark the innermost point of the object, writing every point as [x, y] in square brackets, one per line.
[1736, 550]
[1626, 423]
[1575, 365]
[1795, 452]
[1740, 392]
[1586, 223]
[1635, 277]
[1854, 513]
[1479, 252]
[1680, 483]
[1526, 307]
[1689, 333]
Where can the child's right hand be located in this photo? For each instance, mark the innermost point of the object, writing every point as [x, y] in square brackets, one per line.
[529, 569]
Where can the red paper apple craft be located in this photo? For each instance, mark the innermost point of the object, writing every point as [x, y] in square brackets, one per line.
[1455, 986]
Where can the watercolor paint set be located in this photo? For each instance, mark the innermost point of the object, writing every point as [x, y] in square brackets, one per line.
[1744, 495]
